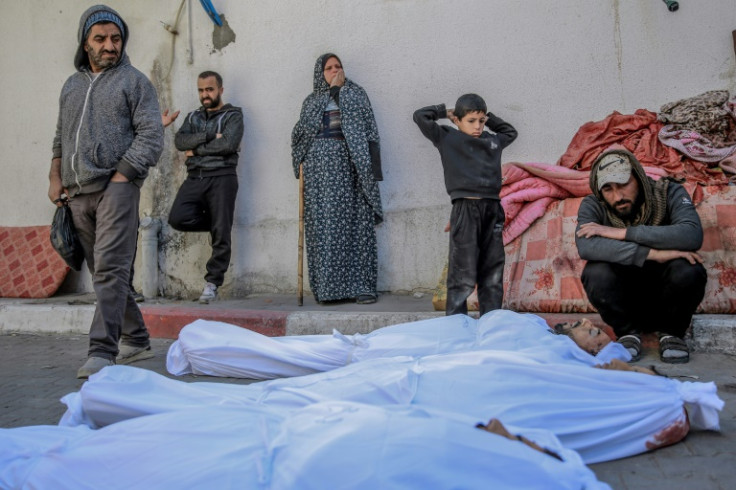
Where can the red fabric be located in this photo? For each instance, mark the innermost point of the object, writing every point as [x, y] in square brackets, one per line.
[638, 133]
[529, 188]
[29, 265]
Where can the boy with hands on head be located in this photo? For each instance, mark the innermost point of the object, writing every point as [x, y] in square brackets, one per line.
[471, 158]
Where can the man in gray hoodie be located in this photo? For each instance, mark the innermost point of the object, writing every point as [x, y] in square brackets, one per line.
[108, 134]
[640, 238]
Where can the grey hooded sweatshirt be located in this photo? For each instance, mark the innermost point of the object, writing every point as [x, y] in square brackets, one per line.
[107, 123]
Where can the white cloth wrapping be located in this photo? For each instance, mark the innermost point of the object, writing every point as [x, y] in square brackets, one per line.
[335, 445]
[219, 349]
[602, 414]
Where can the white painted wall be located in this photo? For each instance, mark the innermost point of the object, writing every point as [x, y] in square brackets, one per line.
[546, 67]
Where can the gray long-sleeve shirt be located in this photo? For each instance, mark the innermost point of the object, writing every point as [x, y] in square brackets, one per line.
[681, 230]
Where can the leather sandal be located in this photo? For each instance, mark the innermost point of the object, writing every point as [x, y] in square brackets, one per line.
[632, 343]
[673, 350]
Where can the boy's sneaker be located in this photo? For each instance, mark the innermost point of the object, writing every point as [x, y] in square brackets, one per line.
[92, 366]
[129, 353]
[208, 294]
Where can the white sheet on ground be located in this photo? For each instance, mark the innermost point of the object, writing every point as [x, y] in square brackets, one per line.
[603, 415]
[219, 349]
[336, 445]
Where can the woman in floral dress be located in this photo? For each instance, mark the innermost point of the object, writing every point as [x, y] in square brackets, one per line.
[336, 143]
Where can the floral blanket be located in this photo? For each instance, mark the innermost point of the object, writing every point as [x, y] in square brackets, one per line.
[543, 267]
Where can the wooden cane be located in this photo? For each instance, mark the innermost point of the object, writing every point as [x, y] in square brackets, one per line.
[300, 260]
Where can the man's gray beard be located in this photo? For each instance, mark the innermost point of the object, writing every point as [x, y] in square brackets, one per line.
[104, 64]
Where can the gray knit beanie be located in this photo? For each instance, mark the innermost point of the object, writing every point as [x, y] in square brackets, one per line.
[103, 16]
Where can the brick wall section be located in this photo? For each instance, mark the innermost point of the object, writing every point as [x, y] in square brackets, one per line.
[29, 265]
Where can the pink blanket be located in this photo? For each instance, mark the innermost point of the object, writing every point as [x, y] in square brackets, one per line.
[528, 188]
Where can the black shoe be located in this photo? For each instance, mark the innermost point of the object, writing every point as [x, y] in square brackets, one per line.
[366, 299]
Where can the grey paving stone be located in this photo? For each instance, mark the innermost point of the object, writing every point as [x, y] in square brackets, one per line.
[704, 460]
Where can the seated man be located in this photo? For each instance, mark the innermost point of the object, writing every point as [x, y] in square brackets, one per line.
[640, 239]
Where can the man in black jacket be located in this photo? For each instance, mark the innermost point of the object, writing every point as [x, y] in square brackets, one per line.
[640, 239]
[210, 138]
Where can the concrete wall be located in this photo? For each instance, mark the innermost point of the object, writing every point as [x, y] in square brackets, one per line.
[546, 67]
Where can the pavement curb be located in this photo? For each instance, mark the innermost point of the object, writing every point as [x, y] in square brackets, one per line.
[322, 323]
[46, 318]
[714, 333]
[709, 333]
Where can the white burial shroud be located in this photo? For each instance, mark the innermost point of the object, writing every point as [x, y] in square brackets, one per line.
[602, 414]
[335, 445]
[218, 349]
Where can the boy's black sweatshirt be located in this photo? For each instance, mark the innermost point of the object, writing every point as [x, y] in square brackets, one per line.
[472, 165]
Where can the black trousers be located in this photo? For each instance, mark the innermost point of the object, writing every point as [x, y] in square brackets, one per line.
[476, 255]
[654, 298]
[208, 204]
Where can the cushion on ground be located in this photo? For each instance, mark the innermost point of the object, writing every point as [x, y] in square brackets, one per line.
[29, 266]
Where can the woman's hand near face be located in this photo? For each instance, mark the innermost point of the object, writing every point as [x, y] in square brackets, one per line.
[338, 80]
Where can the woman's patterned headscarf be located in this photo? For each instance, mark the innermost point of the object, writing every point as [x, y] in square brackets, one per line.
[358, 126]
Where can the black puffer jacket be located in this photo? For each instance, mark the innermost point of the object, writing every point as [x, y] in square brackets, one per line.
[198, 133]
